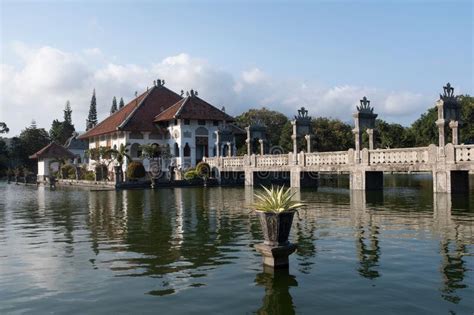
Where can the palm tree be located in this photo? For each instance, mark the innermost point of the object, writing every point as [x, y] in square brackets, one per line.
[120, 155]
[150, 151]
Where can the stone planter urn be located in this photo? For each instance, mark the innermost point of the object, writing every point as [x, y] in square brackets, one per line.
[276, 227]
[275, 211]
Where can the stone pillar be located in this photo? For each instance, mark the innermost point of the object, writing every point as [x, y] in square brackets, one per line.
[448, 181]
[454, 125]
[217, 144]
[295, 178]
[229, 149]
[248, 140]
[262, 151]
[358, 142]
[294, 137]
[357, 180]
[248, 177]
[441, 132]
[370, 132]
[308, 143]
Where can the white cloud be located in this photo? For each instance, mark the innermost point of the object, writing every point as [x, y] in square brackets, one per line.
[39, 86]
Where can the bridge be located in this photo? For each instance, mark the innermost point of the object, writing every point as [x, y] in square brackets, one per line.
[449, 164]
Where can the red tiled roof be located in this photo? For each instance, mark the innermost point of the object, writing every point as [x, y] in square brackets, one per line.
[192, 107]
[53, 150]
[138, 114]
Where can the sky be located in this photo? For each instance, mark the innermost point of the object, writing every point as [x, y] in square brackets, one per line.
[323, 55]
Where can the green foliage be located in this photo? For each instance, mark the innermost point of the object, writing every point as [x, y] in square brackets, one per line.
[68, 171]
[4, 157]
[331, 135]
[31, 140]
[150, 151]
[114, 108]
[119, 155]
[272, 119]
[203, 170]
[68, 113]
[423, 131]
[467, 119]
[276, 200]
[89, 175]
[191, 174]
[92, 117]
[3, 127]
[102, 171]
[121, 103]
[135, 170]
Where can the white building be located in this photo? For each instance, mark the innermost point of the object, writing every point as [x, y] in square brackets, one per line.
[185, 126]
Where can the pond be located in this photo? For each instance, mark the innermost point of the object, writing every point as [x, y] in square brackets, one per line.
[190, 251]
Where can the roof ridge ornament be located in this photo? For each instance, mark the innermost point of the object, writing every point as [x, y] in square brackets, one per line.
[448, 92]
[191, 93]
[365, 106]
[159, 82]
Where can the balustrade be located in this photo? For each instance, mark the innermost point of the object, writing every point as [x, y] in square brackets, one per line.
[327, 158]
[395, 156]
[464, 153]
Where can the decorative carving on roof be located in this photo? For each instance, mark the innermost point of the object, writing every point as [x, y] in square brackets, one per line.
[192, 93]
[448, 92]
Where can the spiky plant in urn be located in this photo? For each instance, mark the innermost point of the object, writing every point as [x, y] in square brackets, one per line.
[276, 208]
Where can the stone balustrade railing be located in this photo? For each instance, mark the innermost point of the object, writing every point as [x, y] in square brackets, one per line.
[233, 161]
[327, 158]
[464, 153]
[396, 156]
[272, 160]
[422, 155]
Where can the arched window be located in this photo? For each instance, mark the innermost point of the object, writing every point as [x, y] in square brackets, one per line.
[187, 150]
[176, 150]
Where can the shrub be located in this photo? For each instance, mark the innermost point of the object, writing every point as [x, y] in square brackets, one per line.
[68, 171]
[203, 169]
[191, 174]
[101, 171]
[135, 170]
[89, 175]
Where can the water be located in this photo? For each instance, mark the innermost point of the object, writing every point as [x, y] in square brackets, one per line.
[190, 251]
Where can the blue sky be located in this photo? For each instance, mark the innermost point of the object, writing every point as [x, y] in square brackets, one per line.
[320, 54]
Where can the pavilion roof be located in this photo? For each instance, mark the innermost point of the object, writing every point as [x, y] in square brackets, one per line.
[53, 150]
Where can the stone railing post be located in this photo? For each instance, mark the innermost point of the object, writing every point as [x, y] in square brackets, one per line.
[454, 125]
[450, 153]
[365, 159]
[302, 159]
[262, 152]
[370, 132]
[308, 143]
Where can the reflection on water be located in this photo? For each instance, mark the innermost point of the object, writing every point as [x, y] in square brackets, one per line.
[277, 283]
[164, 248]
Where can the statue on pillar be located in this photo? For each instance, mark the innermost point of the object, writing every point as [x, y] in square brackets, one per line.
[364, 119]
[449, 114]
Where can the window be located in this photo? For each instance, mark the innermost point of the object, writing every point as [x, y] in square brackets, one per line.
[187, 122]
[176, 150]
[215, 123]
[201, 122]
[187, 150]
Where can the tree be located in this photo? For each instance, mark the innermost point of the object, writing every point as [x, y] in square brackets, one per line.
[120, 154]
[332, 135]
[113, 109]
[68, 113]
[60, 132]
[32, 139]
[121, 104]
[3, 128]
[92, 117]
[467, 119]
[273, 120]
